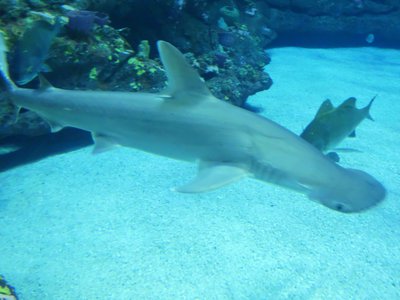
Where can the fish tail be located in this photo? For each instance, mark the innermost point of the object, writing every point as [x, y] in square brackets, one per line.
[368, 108]
[4, 75]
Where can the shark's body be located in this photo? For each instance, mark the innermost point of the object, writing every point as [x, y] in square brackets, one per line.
[186, 122]
[331, 125]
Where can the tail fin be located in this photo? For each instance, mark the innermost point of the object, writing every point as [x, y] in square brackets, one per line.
[4, 75]
[368, 108]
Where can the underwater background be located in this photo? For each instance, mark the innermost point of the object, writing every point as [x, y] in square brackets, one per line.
[74, 225]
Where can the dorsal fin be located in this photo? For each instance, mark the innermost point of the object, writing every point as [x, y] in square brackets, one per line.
[184, 83]
[44, 83]
[325, 107]
[349, 103]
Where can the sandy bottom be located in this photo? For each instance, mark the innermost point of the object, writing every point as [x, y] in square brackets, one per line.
[78, 226]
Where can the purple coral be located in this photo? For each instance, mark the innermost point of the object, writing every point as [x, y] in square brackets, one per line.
[83, 21]
[220, 58]
[226, 38]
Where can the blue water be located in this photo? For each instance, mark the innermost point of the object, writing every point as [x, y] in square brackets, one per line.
[77, 226]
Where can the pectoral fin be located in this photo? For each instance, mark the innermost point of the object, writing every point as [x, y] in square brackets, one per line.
[333, 156]
[54, 126]
[102, 143]
[347, 150]
[212, 176]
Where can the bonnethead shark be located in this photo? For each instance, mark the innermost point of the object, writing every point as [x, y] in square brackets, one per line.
[186, 122]
[331, 125]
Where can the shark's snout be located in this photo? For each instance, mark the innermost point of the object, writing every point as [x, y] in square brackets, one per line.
[358, 191]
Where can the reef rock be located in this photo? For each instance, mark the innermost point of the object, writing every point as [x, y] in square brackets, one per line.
[353, 21]
[111, 45]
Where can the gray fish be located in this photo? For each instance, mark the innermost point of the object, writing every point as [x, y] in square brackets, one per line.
[331, 125]
[32, 51]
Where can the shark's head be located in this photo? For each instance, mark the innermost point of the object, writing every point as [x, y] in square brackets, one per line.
[357, 193]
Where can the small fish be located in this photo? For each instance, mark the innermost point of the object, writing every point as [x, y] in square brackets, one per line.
[32, 51]
[331, 125]
[370, 38]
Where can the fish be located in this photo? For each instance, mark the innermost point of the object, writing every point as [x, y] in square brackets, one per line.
[186, 122]
[32, 50]
[331, 125]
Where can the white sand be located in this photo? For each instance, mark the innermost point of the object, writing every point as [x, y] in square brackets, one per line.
[108, 227]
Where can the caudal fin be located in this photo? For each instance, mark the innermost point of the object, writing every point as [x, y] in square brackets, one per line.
[368, 107]
[4, 75]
